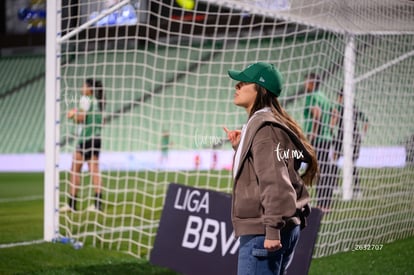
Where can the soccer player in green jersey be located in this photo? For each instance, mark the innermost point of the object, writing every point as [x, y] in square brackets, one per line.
[360, 122]
[89, 118]
[165, 146]
[319, 121]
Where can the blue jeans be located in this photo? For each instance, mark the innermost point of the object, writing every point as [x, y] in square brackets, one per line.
[254, 259]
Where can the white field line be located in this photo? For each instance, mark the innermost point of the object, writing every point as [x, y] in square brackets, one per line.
[27, 198]
[8, 245]
[123, 229]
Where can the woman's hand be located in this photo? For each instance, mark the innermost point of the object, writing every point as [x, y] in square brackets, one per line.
[272, 245]
[233, 136]
[76, 115]
[72, 113]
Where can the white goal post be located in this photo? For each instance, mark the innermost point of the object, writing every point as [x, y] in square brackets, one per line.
[52, 94]
[167, 95]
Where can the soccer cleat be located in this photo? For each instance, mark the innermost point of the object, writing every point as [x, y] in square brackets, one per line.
[93, 208]
[66, 208]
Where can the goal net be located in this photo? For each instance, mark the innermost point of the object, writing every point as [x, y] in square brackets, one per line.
[163, 67]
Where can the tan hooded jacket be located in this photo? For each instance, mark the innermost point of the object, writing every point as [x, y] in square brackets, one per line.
[268, 193]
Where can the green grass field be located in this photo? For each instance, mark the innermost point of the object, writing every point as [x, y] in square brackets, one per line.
[21, 220]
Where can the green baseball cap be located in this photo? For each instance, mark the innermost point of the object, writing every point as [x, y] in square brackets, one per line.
[261, 73]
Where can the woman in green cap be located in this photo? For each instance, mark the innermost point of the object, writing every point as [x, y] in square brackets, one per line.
[270, 201]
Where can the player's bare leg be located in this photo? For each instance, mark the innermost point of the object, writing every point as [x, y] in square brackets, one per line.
[74, 182]
[93, 164]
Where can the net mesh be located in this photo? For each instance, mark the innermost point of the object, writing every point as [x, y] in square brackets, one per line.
[358, 17]
[168, 96]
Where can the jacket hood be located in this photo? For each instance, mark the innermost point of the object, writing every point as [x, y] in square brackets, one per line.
[264, 118]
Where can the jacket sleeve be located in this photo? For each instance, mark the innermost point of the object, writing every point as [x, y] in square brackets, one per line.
[277, 195]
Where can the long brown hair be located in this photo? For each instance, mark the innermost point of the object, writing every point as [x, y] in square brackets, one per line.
[264, 99]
